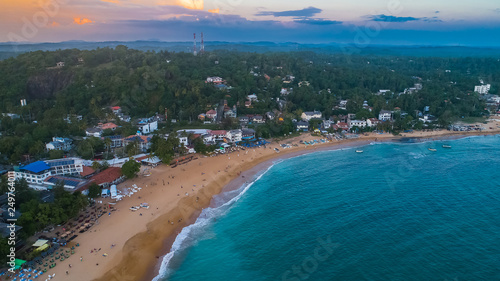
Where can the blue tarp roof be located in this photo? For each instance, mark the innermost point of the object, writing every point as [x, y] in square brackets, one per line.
[36, 167]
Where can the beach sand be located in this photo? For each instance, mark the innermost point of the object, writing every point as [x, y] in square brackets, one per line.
[176, 197]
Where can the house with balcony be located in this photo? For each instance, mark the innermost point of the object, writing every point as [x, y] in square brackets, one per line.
[385, 115]
[357, 123]
[211, 114]
[372, 122]
[247, 134]
[302, 126]
[219, 135]
[94, 132]
[308, 115]
[147, 125]
[234, 136]
[144, 142]
[63, 144]
[37, 172]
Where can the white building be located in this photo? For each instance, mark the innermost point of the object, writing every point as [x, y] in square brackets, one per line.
[372, 122]
[94, 132]
[427, 118]
[385, 115]
[69, 117]
[147, 126]
[302, 126]
[195, 131]
[285, 92]
[308, 115]
[252, 98]
[219, 135]
[234, 136]
[230, 114]
[258, 119]
[483, 89]
[37, 172]
[144, 142]
[357, 123]
[343, 104]
[183, 140]
[59, 144]
[116, 141]
[208, 138]
[327, 124]
[381, 92]
[214, 79]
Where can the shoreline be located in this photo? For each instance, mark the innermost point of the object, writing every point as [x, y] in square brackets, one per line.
[254, 171]
[177, 197]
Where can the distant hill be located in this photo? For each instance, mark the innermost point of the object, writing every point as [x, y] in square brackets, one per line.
[11, 49]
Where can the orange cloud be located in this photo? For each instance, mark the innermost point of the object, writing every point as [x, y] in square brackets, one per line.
[81, 21]
[55, 24]
[214, 11]
[190, 4]
[111, 1]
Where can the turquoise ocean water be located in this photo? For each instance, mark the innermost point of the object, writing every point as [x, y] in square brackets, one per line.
[394, 212]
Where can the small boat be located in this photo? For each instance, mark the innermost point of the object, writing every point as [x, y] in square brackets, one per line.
[432, 149]
[359, 151]
[446, 146]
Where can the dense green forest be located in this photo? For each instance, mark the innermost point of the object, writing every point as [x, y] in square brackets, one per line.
[145, 82]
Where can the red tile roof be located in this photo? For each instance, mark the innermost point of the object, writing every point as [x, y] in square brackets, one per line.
[116, 107]
[141, 139]
[219, 132]
[107, 176]
[87, 171]
[109, 126]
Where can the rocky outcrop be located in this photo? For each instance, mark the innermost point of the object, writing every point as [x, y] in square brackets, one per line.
[45, 85]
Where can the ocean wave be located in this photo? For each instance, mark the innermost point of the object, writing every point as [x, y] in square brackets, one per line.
[190, 235]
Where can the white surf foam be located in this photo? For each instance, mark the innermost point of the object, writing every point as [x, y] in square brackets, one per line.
[191, 233]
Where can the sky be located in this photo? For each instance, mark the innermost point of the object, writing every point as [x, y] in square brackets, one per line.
[362, 22]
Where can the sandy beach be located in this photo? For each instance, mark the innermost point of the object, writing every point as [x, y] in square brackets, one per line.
[176, 196]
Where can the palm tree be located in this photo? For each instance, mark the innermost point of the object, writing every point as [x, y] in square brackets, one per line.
[107, 142]
[95, 165]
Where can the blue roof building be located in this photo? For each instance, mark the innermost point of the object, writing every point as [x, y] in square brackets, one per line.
[37, 172]
[36, 167]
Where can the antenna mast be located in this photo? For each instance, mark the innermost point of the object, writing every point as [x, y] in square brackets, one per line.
[194, 47]
[202, 44]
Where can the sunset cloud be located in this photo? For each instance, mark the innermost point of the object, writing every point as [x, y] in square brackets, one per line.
[55, 24]
[191, 4]
[111, 1]
[81, 21]
[214, 11]
[188, 4]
